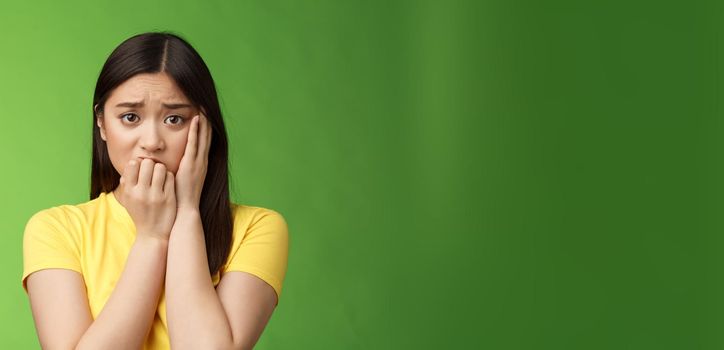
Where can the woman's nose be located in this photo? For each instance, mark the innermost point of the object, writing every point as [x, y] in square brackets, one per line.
[151, 140]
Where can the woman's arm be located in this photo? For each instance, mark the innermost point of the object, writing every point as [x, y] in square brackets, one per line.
[60, 305]
[196, 318]
[128, 314]
[232, 316]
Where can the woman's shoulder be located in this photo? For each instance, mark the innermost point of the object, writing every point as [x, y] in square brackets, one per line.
[247, 217]
[245, 212]
[65, 213]
[63, 220]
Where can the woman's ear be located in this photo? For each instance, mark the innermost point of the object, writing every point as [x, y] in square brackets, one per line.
[99, 122]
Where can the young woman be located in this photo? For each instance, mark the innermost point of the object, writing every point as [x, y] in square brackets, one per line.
[159, 257]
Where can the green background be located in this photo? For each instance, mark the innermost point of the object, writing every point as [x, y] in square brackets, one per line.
[483, 174]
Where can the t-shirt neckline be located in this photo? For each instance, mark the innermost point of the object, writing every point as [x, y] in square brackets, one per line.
[117, 209]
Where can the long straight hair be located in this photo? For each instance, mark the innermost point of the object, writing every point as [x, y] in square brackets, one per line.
[164, 52]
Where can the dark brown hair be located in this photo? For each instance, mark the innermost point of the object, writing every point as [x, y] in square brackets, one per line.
[165, 52]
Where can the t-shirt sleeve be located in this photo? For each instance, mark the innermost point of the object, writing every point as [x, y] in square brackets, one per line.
[263, 250]
[48, 243]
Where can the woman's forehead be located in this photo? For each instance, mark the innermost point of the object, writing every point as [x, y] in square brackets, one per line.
[148, 89]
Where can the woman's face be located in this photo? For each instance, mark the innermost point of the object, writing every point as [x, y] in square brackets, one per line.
[147, 116]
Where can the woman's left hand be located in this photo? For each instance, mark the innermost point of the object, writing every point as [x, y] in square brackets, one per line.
[192, 169]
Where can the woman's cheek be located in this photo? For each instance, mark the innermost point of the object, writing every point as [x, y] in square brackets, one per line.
[177, 158]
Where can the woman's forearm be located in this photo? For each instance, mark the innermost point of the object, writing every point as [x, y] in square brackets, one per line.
[196, 317]
[128, 314]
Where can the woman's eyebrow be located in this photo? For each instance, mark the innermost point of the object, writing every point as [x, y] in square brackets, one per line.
[129, 104]
[165, 105]
[175, 105]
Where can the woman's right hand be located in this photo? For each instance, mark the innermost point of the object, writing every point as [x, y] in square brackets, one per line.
[147, 191]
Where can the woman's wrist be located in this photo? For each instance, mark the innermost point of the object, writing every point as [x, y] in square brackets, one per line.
[187, 210]
[152, 239]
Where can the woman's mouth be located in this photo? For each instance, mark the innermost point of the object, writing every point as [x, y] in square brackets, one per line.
[141, 158]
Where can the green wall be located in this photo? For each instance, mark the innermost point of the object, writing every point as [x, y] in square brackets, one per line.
[455, 175]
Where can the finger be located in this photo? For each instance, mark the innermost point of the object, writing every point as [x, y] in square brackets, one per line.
[191, 140]
[130, 173]
[159, 176]
[205, 127]
[168, 186]
[207, 143]
[144, 175]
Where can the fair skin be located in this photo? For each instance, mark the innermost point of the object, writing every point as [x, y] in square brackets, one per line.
[161, 152]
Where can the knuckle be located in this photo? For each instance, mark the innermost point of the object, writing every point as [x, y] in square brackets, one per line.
[156, 198]
[135, 196]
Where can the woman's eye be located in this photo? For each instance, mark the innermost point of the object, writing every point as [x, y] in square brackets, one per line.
[175, 119]
[132, 117]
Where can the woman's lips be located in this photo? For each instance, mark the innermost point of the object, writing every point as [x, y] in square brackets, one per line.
[151, 158]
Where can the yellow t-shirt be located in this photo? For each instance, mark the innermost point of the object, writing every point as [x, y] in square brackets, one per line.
[95, 237]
